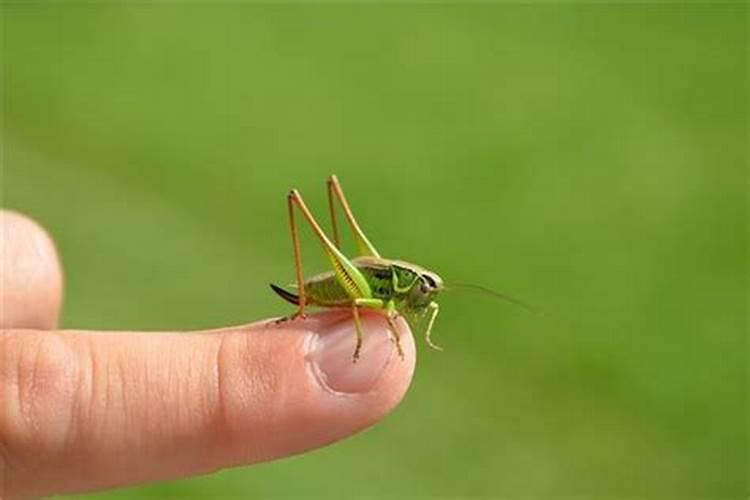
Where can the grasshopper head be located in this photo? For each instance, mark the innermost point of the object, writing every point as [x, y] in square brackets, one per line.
[415, 286]
[425, 289]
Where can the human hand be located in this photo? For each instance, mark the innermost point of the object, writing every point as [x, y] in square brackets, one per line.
[85, 410]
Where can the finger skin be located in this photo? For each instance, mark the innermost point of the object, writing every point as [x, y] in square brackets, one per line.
[30, 275]
[85, 410]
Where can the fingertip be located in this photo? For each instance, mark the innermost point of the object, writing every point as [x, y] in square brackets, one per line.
[378, 366]
[359, 394]
[300, 375]
[31, 283]
[391, 386]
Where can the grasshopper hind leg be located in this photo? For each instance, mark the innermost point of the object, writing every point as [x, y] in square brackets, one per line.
[292, 299]
[291, 317]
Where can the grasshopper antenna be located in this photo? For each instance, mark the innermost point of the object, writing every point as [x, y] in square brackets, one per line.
[500, 296]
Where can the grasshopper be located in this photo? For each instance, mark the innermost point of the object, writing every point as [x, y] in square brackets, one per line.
[367, 281]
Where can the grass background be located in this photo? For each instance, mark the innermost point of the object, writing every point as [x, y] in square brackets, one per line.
[590, 158]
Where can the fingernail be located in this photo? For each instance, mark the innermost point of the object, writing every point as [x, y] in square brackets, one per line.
[332, 354]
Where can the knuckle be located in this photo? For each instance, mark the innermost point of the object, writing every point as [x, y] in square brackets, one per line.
[39, 375]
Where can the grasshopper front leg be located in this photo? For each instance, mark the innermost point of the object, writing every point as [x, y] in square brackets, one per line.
[434, 309]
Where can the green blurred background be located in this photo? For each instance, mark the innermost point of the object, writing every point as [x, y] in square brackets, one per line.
[588, 158]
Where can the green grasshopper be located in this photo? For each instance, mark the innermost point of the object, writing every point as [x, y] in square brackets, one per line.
[366, 281]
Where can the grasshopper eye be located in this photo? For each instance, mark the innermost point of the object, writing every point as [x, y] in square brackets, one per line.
[428, 282]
